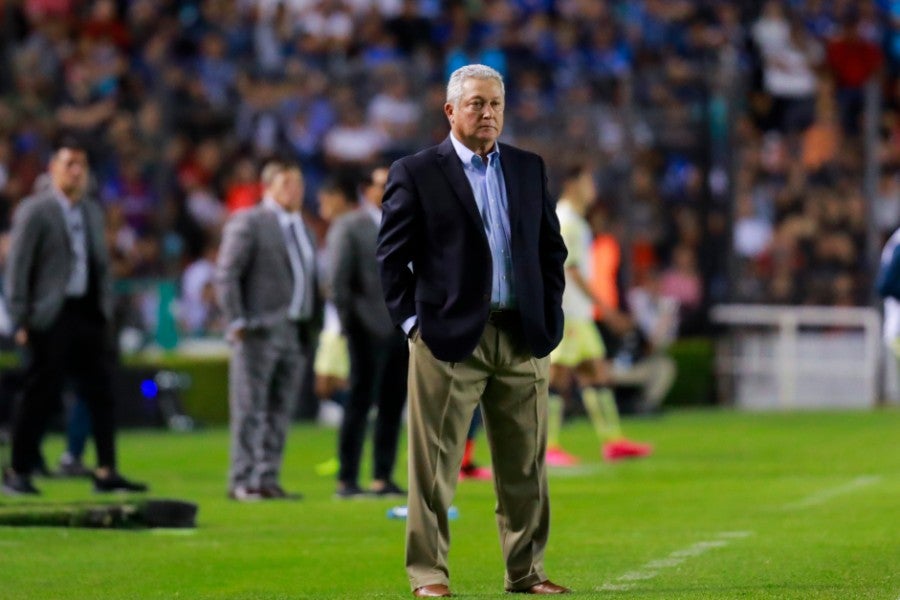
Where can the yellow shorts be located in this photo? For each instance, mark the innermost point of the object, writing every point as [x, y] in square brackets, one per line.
[332, 358]
[581, 342]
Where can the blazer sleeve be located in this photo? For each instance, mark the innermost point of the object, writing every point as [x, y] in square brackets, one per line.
[20, 263]
[339, 279]
[234, 256]
[398, 239]
[101, 252]
[552, 250]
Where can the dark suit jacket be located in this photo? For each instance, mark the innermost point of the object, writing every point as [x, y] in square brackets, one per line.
[354, 283]
[40, 261]
[431, 220]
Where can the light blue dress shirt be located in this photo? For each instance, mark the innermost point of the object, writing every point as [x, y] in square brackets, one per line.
[489, 189]
[300, 252]
[77, 286]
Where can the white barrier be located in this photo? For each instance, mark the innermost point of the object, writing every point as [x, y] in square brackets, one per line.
[798, 357]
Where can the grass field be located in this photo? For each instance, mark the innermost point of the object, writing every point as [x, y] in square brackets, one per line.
[731, 506]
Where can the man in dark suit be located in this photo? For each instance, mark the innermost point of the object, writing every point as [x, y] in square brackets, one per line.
[378, 352]
[266, 286]
[60, 303]
[472, 268]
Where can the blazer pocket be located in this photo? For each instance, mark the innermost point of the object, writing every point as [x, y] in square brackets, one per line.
[430, 295]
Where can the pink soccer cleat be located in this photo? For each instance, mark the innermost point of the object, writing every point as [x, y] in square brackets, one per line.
[557, 457]
[474, 472]
[621, 449]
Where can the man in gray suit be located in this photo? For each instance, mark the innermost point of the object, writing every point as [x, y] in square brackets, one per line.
[379, 356]
[266, 285]
[60, 302]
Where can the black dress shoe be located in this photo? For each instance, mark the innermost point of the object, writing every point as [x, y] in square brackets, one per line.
[73, 468]
[349, 491]
[276, 492]
[18, 485]
[242, 493]
[389, 490]
[116, 483]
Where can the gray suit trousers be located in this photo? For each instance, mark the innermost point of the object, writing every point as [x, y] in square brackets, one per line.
[264, 378]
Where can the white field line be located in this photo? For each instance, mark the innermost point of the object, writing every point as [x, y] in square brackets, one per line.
[823, 496]
[626, 581]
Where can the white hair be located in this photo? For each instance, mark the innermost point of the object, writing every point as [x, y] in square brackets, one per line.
[455, 84]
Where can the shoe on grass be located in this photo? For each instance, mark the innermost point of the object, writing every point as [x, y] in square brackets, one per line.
[624, 449]
[116, 483]
[18, 485]
[475, 473]
[72, 467]
[349, 491]
[557, 457]
[388, 490]
[242, 493]
[276, 492]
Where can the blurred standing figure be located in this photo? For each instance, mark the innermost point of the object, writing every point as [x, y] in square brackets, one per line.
[472, 268]
[581, 354]
[378, 353]
[266, 285]
[60, 303]
[888, 285]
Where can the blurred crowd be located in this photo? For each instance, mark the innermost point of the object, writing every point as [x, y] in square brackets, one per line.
[726, 136]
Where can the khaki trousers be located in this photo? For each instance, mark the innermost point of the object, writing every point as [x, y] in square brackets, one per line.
[512, 388]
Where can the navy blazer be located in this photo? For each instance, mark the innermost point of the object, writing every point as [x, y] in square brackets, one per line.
[431, 221]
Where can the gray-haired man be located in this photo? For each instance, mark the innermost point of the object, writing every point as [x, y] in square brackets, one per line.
[481, 304]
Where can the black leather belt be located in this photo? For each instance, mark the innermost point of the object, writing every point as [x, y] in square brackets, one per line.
[504, 317]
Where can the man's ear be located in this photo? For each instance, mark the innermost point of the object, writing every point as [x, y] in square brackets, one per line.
[448, 110]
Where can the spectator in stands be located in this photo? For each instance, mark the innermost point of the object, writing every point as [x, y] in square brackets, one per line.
[853, 61]
[789, 76]
[198, 310]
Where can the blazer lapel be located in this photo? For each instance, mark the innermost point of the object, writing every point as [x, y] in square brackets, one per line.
[58, 220]
[275, 232]
[453, 170]
[513, 191]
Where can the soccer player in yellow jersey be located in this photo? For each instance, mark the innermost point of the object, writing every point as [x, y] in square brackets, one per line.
[581, 354]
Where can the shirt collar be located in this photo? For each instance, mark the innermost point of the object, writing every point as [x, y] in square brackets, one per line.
[284, 217]
[466, 155]
[373, 211]
[66, 204]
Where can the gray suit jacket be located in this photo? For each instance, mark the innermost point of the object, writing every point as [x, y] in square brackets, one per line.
[354, 278]
[40, 261]
[254, 280]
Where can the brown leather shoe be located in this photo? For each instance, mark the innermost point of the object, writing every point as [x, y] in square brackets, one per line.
[544, 587]
[436, 590]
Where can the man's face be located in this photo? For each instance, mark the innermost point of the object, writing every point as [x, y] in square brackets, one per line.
[287, 190]
[587, 188]
[375, 190]
[477, 119]
[69, 172]
[331, 204]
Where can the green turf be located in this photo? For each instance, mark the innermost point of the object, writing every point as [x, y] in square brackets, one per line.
[731, 506]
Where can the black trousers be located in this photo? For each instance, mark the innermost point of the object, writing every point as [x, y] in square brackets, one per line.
[378, 368]
[75, 346]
